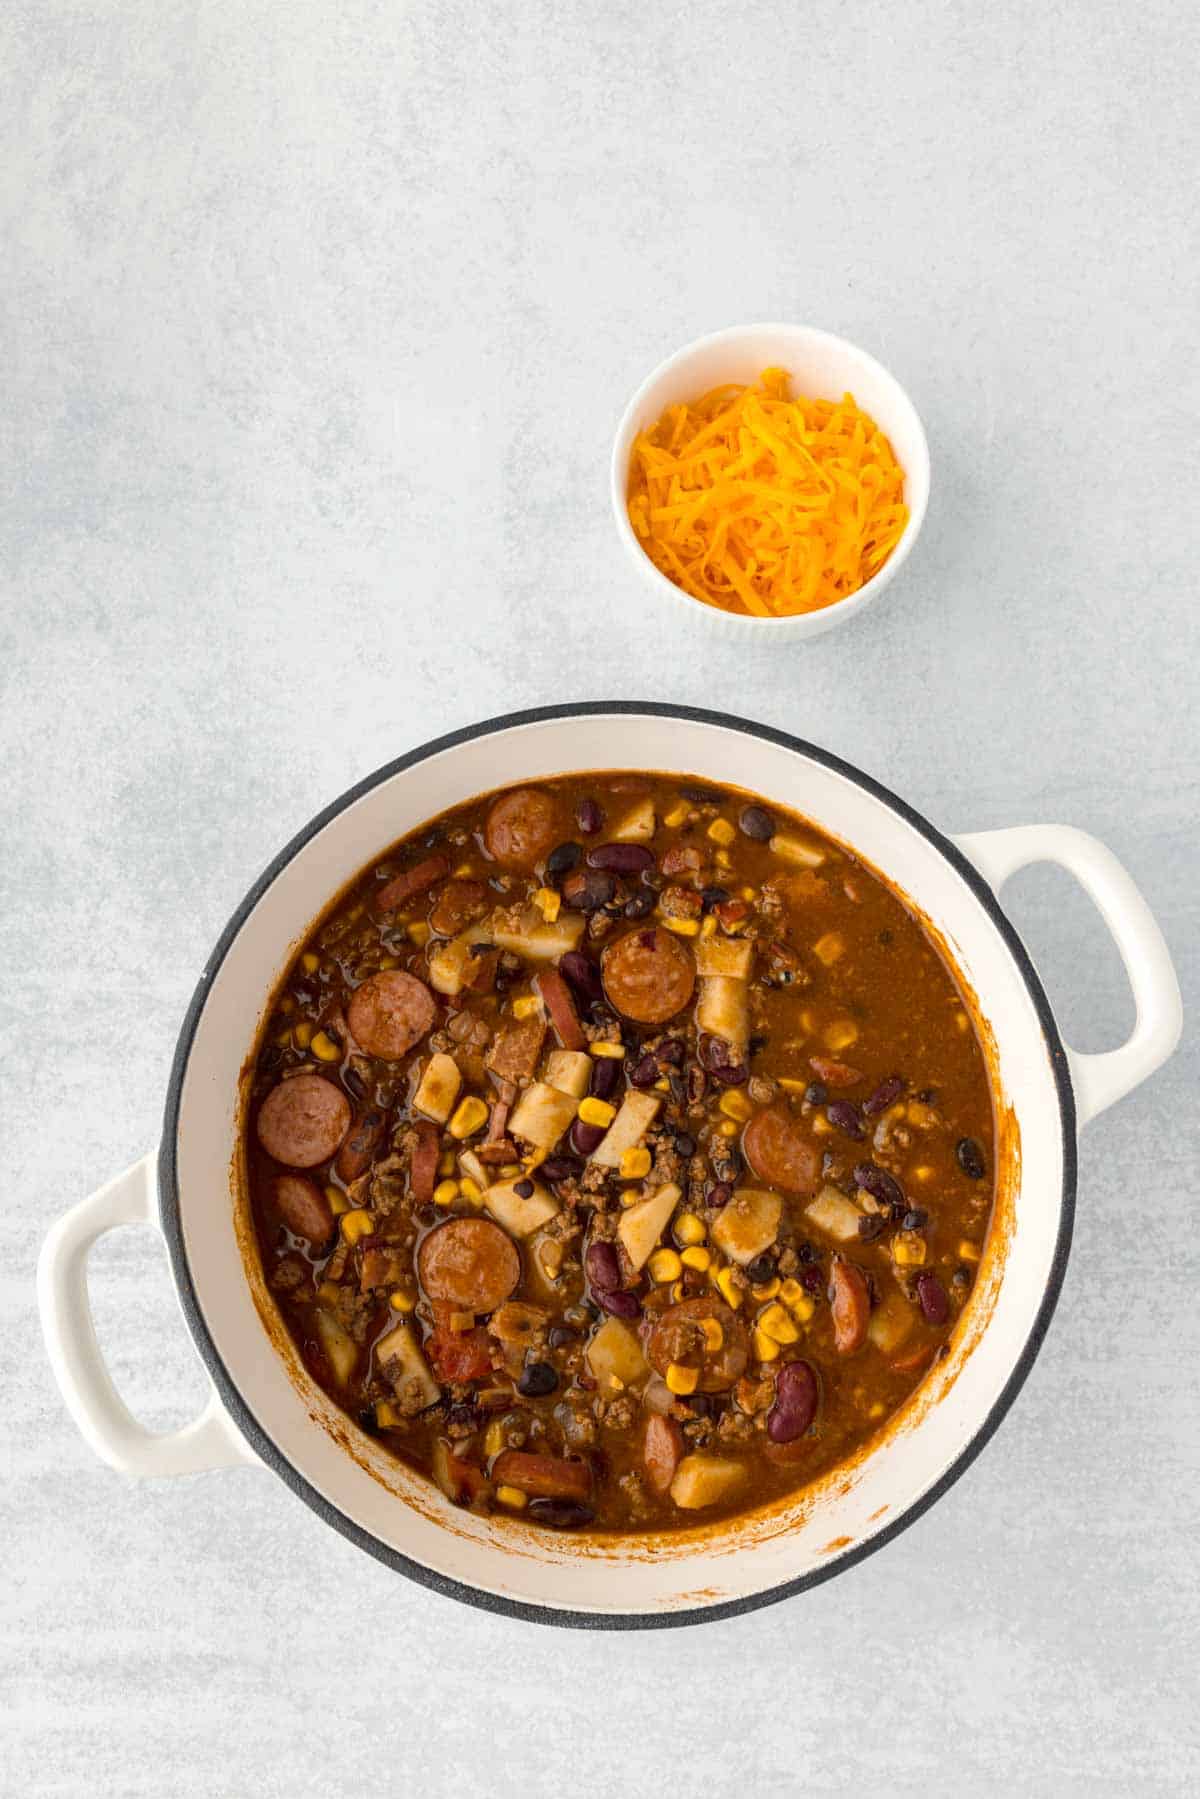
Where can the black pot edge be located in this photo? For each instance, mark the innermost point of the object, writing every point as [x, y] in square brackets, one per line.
[264, 1445]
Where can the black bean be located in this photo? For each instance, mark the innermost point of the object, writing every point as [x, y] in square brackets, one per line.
[644, 1073]
[582, 973]
[584, 1138]
[761, 1269]
[713, 896]
[606, 1073]
[970, 1158]
[870, 1226]
[619, 1303]
[639, 904]
[621, 858]
[523, 1189]
[558, 1336]
[816, 1093]
[588, 889]
[914, 1220]
[812, 1280]
[757, 1043]
[884, 1095]
[702, 796]
[561, 1514]
[588, 817]
[537, 1379]
[562, 860]
[806, 1251]
[560, 1168]
[466, 1416]
[756, 822]
[845, 1117]
[685, 1145]
[603, 1267]
[879, 1184]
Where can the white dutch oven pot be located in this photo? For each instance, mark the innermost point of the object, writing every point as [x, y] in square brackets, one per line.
[264, 1407]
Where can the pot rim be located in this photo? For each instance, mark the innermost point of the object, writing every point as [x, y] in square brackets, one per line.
[265, 1445]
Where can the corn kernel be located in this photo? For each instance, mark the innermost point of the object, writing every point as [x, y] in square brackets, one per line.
[968, 1251]
[799, 1303]
[923, 1174]
[662, 1084]
[418, 933]
[446, 1162]
[961, 1022]
[324, 1048]
[402, 1302]
[630, 1196]
[445, 1193]
[493, 1439]
[470, 1190]
[389, 962]
[697, 1258]
[821, 1126]
[748, 894]
[664, 1266]
[908, 1249]
[386, 1415]
[534, 1159]
[470, 1115]
[510, 1171]
[709, 927]
[338, 1203]
[676, 816]
[730, 1292]
[463, 871]
[548, 903]
[829, 947]
[765, 1289]
[678, 1292]
[841, 1034]
[765, 1348]
[597, 1111]
[734, 1104]
[714, 1336]
[613, 1050]
[327, 1293]
[682, 927]
[287, 1005]
[721, 831]
[310, 963]
[526, 1005]
[790, 1085]
[723, 859]
[512, 1496]
[923, 1116]
[682, 1380]
[727, 1128]
[777, 1325]
[689, 1228]
[282, 1040]
[462, 1321]
[356, 1224]
[635, 1163]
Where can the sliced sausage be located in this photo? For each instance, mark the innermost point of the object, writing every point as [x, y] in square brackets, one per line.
[542, 1476]
[304, 1208]
[559, 1003]
[516, 1047]
[354, 1157]
[779, 1154]
[459, 904]
[678, 1336]
[302, 1121]
[469, 1262]
[850, 1305]
[833, 1072]
[662, 1451]
[390, 1013]
[411, 882]
[423, 1161]
[649, 975]
[520, 827]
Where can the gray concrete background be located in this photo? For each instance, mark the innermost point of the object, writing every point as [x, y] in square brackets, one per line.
[316, 323]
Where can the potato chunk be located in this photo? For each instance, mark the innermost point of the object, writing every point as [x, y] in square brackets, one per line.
[341, 1351]
[614, 1357]
[520, 1216]
[569, 1070]
[723, 1009]
[439, 1087]
[542, 1114]
[731, 956]
[637, 826]
[643, 1224]
[702, 1480]
[638, 1112]
[529, 935]
[398, 1355]
[748, 1224]
[834, 1214]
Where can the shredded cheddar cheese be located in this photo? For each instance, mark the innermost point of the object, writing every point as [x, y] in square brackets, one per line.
[760, 503]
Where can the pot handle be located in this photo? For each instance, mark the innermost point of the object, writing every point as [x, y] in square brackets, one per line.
[1099, 1080]
[209, 1441]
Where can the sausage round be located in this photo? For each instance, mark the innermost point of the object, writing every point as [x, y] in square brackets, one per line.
[778, 1154]
[470, 1262]
[677, 1336]
[459, 904]
[520, 827]
[389, 1013]
[649, 976]
[850, 1306]
[410, 883]
[302, 1121]
[304, 1208]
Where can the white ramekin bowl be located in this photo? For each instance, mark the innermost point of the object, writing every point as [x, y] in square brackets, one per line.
[264, 1406]
[822, 366]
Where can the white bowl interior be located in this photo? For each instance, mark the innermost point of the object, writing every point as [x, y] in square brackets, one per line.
[822, 366]
[504, 1558]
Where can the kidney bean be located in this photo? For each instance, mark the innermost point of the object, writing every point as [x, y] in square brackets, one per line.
[588, 817]
[731, 1074]
[588, 889]
[845, 1117]
[816, 1093]
[757, 823]
[619, 1303]
[561, 1514]
[795, 1407]
[560, 1168]
[932, 1295]
[562, 860]
[879, 1184]
[672, 1051]
[606, 1072]
[645, 1072]
[640, 904]
[695, 1085]
[812, 1280]
[603, 1268]
[582, 973]
[885, 1095]
[621, 858]
[585, 1138]
[719, 1195]
[970, 1158]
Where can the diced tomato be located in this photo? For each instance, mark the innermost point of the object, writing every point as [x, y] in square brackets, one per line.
[457, 1355]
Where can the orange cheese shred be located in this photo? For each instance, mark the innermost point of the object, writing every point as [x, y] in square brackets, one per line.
[760, 503]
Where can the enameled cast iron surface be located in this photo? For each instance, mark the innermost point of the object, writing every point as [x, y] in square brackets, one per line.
[514, 1569]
